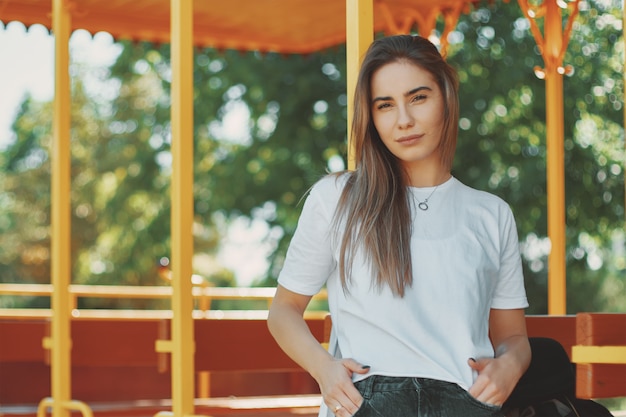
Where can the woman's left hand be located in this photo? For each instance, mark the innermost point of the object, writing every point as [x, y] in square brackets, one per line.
[498, 376]
[494, 383]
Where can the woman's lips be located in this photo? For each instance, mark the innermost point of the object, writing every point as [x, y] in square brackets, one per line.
[409, 140]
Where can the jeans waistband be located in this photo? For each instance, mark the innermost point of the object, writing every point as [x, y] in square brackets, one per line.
[378, 383]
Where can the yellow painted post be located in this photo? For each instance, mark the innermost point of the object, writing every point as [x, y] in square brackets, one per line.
[60, 341]
[553, 46]
[182, 344]
[359, 35]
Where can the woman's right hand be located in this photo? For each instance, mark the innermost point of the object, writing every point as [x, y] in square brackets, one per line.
[337, 388]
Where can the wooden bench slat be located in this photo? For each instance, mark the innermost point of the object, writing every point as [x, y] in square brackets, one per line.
[560, 328]
[22, 341]
[226, 345]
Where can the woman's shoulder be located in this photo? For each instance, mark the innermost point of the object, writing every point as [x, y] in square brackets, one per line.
[331, 184]
[323, 197]
[480, 197]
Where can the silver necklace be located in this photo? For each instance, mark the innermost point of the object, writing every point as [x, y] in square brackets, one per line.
[423, 205]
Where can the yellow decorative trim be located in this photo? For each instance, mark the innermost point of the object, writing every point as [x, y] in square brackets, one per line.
[599, 354]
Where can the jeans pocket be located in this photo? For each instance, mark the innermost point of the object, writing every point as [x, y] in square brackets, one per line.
[474, 401]
[361, 411]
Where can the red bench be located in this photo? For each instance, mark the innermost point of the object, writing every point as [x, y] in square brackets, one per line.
[115, 362]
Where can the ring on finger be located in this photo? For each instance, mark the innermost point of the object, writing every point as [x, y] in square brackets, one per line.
[338, 407]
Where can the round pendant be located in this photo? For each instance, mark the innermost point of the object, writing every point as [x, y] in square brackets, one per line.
[423, 206]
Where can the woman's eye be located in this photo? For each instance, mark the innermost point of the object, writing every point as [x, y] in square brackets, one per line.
[419, 97]
[382, 106]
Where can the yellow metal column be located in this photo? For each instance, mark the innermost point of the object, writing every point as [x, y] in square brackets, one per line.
[183, 344]
[60, 341]
[555, 162]
[359, 35]
[553, 45]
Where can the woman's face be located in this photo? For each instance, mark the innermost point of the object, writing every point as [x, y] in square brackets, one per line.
[407, 110]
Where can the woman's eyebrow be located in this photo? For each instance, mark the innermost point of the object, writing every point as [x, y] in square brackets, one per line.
[375, 99]
[417, 89]
[408, 93]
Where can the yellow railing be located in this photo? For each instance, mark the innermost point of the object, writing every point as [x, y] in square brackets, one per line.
[204, 294]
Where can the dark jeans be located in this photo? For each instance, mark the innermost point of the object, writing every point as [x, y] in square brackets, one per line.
[385, 396]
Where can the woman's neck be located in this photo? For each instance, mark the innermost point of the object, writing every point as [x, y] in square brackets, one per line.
[428, 178]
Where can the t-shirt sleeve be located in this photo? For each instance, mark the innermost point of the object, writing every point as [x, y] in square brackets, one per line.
[309, 260]
[509, 292]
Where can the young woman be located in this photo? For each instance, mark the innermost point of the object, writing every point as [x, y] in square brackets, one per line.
[423, 273]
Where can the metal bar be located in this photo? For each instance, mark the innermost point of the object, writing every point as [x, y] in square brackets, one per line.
[552, 45]
[182, 343]
[359, 35]
[557, 285]
[121, 315]
[555, 167]
[61, 214]
[130, 291]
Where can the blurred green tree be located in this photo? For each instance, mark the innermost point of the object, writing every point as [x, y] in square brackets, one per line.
[268, 126]
[502, 143]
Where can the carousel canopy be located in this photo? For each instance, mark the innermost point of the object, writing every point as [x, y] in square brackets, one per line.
[283, 26]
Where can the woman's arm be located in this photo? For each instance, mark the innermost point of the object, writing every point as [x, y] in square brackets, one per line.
[498, 376]
[286, 324]
[334, 376]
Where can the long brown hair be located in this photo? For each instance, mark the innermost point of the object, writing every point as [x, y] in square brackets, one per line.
[374, 211]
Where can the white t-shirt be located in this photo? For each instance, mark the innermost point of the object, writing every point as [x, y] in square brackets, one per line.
[466, 260]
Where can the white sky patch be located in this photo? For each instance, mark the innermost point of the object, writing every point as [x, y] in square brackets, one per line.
[536, 250]
[235, 125]
[28, 66]
[244, 249]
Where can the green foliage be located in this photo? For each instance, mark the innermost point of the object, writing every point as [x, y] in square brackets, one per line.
[25, 198]
[291, 129]
[502, 143]
[297, 124]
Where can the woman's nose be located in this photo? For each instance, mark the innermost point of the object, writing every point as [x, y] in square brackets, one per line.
[405, 118]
